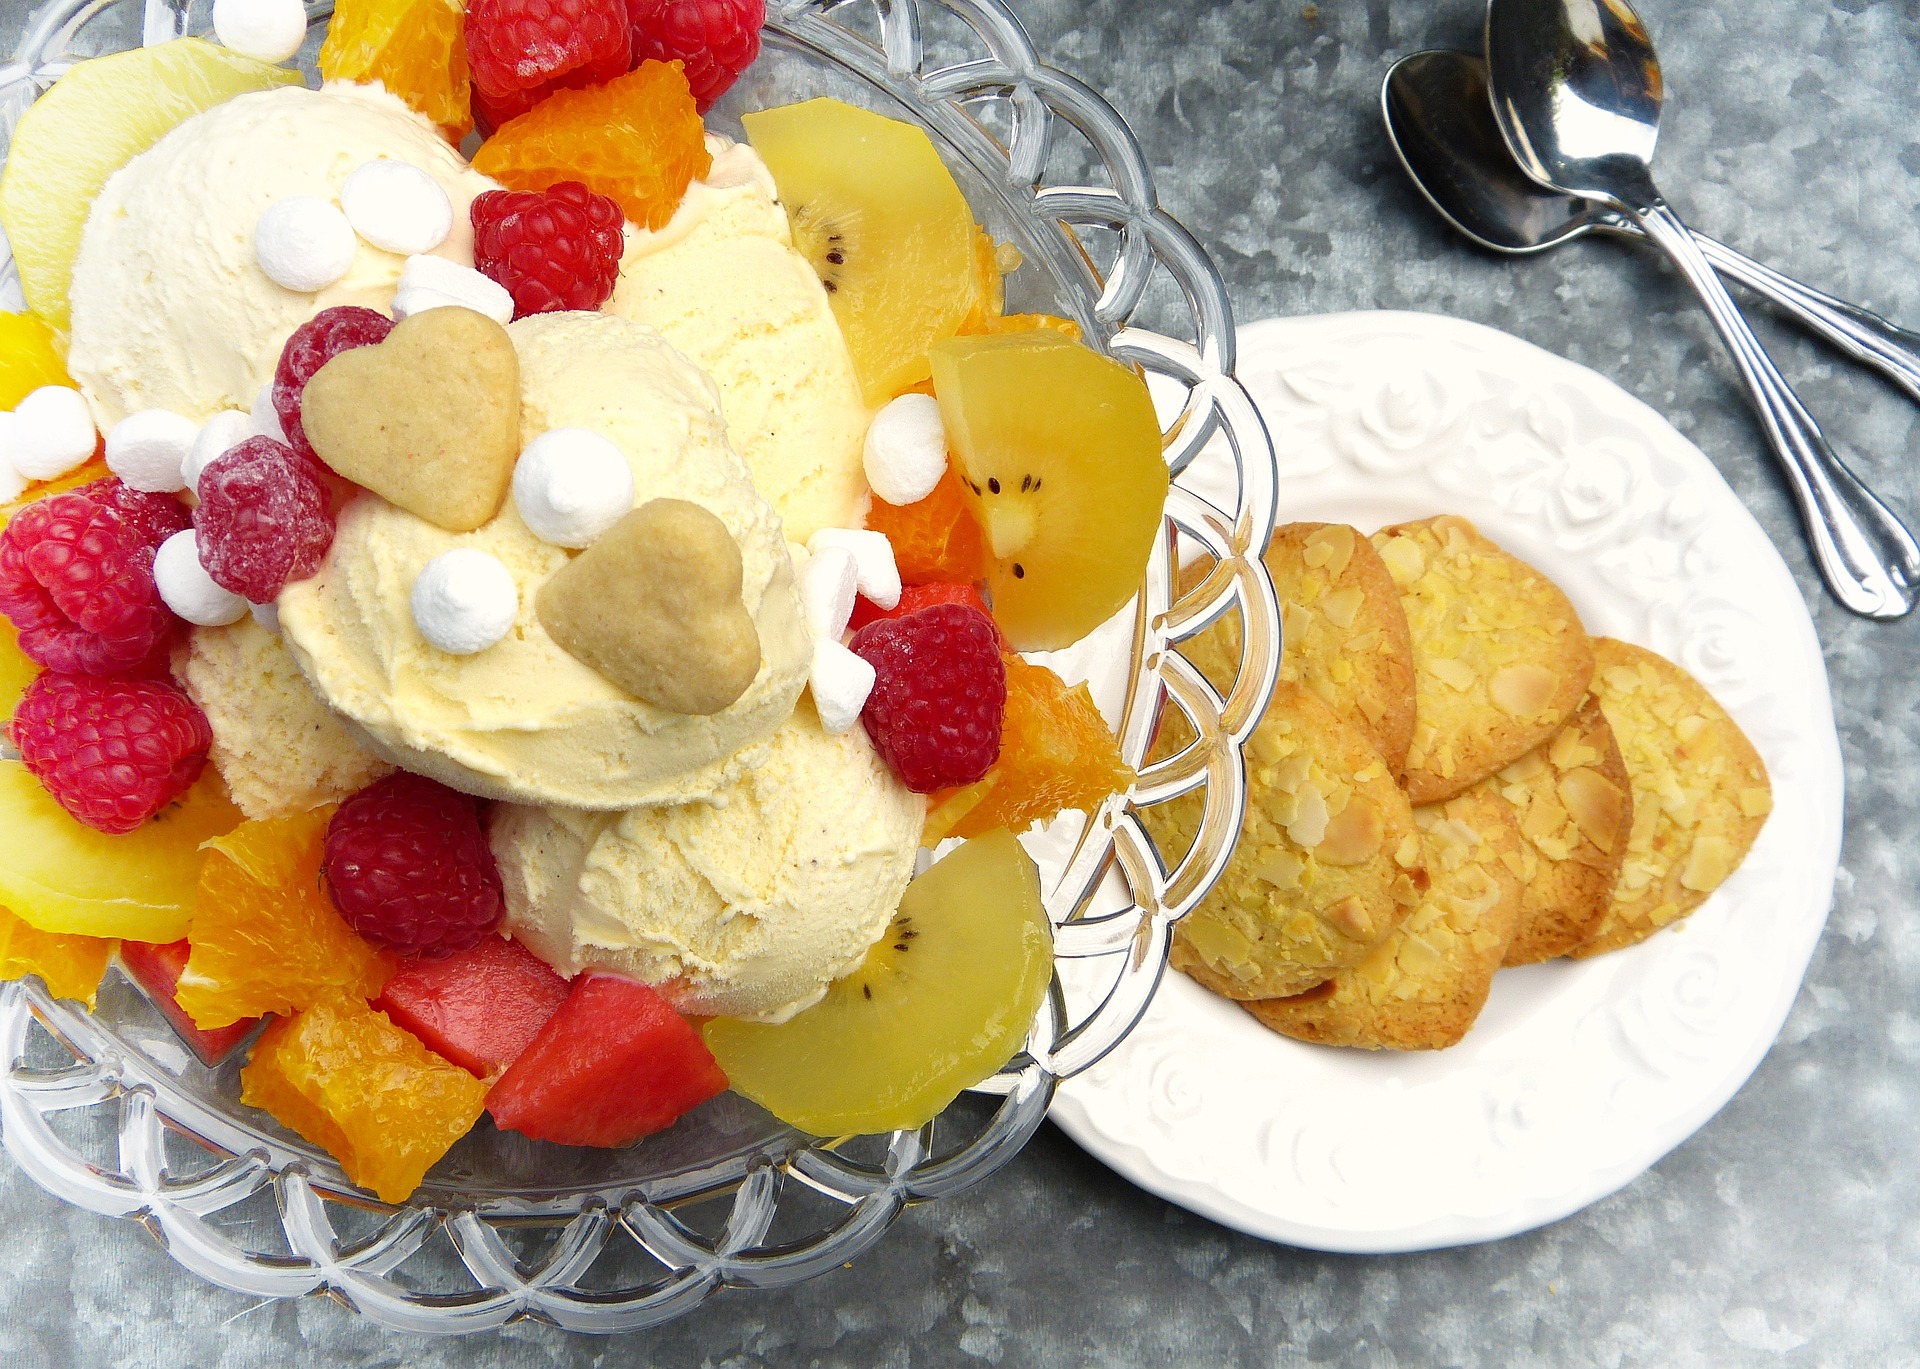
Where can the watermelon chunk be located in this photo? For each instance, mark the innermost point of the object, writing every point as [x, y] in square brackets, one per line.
[156, 969]
[478, 1007]
[615, 1063]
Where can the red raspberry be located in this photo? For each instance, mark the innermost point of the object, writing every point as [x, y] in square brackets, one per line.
[552, 249]
[939, 693]
[525, 45]
[155, 517]
[112, 752]
[76, 580]
[409, 867]
[313, 344]
[916, 597]
[715, 40]
[263, 519]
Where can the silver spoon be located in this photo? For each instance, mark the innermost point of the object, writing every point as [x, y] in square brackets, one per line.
[1442, 128]
[1576, 90]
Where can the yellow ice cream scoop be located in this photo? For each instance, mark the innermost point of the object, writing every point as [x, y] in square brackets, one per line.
[748, 905]
[523, 720]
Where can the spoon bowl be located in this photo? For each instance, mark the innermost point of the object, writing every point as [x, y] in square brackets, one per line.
[1439, 118]
[1576, 90]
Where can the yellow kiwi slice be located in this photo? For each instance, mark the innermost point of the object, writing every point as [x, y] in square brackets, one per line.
[943, 1000]
[879, 216]
[1059, 450]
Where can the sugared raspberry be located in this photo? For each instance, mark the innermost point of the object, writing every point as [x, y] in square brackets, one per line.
[939, 693]
[76, 581]
[715, 40]
[263, 519]
[112, 752]
[552, 249]
[313, 344]
[409, 867]
[155, 517]
[536, 45]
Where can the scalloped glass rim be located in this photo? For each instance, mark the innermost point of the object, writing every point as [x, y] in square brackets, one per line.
[1098, 249]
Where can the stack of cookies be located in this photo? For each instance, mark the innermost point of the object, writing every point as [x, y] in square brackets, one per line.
[1452, 777]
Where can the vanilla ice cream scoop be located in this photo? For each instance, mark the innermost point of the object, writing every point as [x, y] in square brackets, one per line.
[746, 906]
[171, 308]
[723, 283]
[522, 720]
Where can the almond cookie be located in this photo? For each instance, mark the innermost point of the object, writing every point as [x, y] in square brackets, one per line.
[1575, 809]
[1327, 862]
[1700, 792]
[1500, 660]
[1344, 633]
[1422, 987]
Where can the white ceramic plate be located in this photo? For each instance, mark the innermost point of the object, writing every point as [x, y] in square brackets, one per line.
[1578, 1076]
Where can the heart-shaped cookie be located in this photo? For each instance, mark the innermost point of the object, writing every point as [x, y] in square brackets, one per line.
[429, 419]
[654, 606]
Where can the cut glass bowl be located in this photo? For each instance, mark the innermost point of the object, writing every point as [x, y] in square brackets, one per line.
[109, 1112]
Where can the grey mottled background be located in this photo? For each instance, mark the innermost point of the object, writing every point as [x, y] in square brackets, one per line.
[1785, 1232]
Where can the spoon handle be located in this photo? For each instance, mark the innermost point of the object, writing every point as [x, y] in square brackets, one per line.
[1868, 558]
[1860, 333]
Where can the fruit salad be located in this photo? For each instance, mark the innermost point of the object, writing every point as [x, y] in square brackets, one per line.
[513, 603]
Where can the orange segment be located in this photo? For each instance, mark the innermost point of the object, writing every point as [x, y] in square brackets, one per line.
[1055, 753]
[416, 48]
[70, 965]
[637, 139]
[374, 1098]
[266, 937]
[937, 538]
[29, 358]
[61, 876]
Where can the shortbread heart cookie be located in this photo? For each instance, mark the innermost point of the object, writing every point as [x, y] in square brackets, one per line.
[655, 606]
[429, 419]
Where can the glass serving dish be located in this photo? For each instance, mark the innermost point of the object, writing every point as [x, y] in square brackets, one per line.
[109, 1112]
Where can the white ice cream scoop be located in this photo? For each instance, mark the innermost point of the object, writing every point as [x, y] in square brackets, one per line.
[397, 207]
[52, 432]
[187, 589]
[906, 449]
[148, 450]
[571, 485]
[464, 601]
[304, 243]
